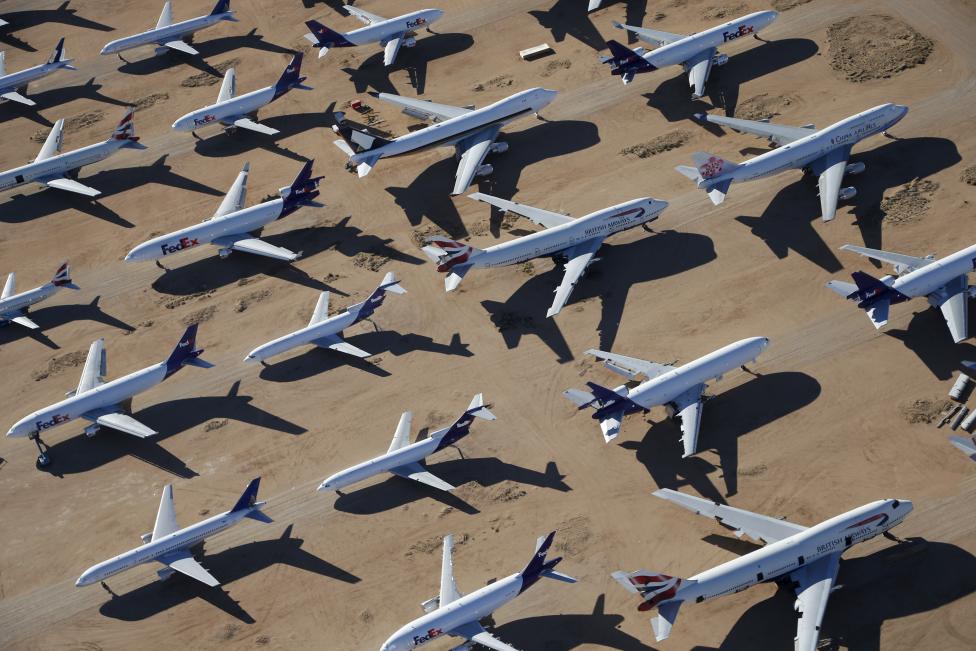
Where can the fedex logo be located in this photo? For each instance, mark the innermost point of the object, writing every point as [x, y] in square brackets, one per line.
[423, 639]
[206, 119]
[184, 243]
[417, 23]
[56, 420]
[742, 31]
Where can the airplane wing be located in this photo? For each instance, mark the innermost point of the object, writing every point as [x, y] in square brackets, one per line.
[248, 244]
[14, 96]
[630, 367]
[903, 263]
[965, 443]
[183, 562]
[401, 437]
[180, 46]
[474, 632]
[813, 585]
[594, 5]
[391, 48]
[52, 145]
[541, 217]
[688, 408]
[652, 36]
[23, 320]
[449, 592]
[829, 169]
[251, 125]
[955, 308]
[423, 109]
[93, 374]
[757, 527]
[416, 472]
[166, 516]
[580, 256]
[69, 185]
[363, 15]
[473, 150]
[781, 134]
[235, 197]
[336, 343]
[699, 66]
[122, 422]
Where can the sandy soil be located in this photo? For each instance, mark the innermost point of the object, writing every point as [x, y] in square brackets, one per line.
[824, 429]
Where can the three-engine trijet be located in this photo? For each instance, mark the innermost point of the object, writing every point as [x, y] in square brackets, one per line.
[326, 331]
[457, 615]
[403, 458]
[13, 307]
[823, 153]
[696, 53]
[234, 111]
[807, 558]
[168, 35]
[14, 85]
[104, 404]
[51, 168]
[231, 227]
[170, 545]
[679, 388]
[470, 131]
[571, 242]
[391, 33]
[945, 283]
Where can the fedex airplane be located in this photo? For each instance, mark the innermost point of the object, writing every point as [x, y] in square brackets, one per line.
[570, 242]
[457, 615]
[52, 169]
[168, 35]
[104, 404]
[403, 458]
[696, 53]
[233, 111]
[13, 307]
[823, 153]
[470, 131]
[15, 83]
[679, 388]
[170, 546]
[231, 227]
[326, 331]
[807, 558]
[945, 283]
[391, 33]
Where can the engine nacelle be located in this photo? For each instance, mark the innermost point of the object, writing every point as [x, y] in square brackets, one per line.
[484, 170]
[165, 573]
[431, 604]
[847, 193]
[499, 148]
[720, 59]
[223, 253]
[409, 42]
[854, 168]
[92, 430]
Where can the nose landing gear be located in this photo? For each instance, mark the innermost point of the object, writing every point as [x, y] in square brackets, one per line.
[43, 458]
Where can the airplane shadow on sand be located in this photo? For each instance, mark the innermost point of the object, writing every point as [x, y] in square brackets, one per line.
[56, 315]
[240, 142]
[726, 417]
[32, 18]
[927, 335]
[227, 566]
[56, 97]
[210, 48]
[570, 18]
[371, 73]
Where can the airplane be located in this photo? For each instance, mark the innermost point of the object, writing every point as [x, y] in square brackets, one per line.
[571, 242]
[233, 112]
[52, 169]
[12, 85]
[231, 227]
[169, 545]
[807, 558]
[391, 33]
[457, 615]
[824, 153]
[945, 283]
[594, 5]
[326, 331]
[470, 131]
[679, 388]
[965, 443]
[169, 35]
[403, 458]
[696, 53]
[13, 307]
[104, 404]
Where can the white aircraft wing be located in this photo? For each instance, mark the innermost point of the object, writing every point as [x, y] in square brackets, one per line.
[52, 145]
[813, 585]
[754, 525]
[423, 109]
[337, 343]
[183, 562]
[630, 367]
[829, 169]
[965, 443]
[449, 592]
[235, 197]
[474, 632]
[247, 244]
[472, 150]
[955, 308]
[688, 408]
[23, 320]
[401, 438]
[363, 15]
[69, 185]
[93, 374]
[652, 36]
[251, 125]
[541, 217]
[166, 516]
[416, 472]
[781, 134]
[14, 96]
[904, 263]
[580, 256]
[122, 422]
[391, 48]
[594, 5]
[181, 46]
[699, 66]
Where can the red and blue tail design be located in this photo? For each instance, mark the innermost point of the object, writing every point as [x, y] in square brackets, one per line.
[62, 277]
[449, 254]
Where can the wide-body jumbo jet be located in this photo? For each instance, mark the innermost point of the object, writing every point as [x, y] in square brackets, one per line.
[168, 35]
[391, 33]
[13, 85]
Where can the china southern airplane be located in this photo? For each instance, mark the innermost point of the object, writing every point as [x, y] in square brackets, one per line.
[470, 131]
[13, 307]
[169, 545]
[12, 85]
[104, 404]
[807, 558]
[457, 615]
[51, 168]
[696, 53]
[570, 242]
[169, 35]
[403, 458]
[823, 153]
[680, 388]
[235, 111]
[945, 283]
[326, 331]
[391, 33]
[231, 227]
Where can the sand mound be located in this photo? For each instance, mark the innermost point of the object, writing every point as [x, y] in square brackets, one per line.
[199, 316]
[555, 66]
[969, 175]
[924, 411]
[369, 260]
[723, 11]
[60, 363]
[783, 5]
[762, 106]
[658, 145]
[150, 100]
[875, 47]
[249, 299]
[500, 81]
[72, 124]
[909, 203]
[208, 79]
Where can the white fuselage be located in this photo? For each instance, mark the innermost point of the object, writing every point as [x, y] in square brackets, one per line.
[161, 35]
[234, 107]
[61, 164]
[408, 454]
[382, 31]
[16, 80]
[680, 51]
[24, 300]
[306, 335]
[934, 276]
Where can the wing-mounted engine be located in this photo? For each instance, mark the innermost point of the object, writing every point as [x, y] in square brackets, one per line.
[431, 604]
[409, 41]
[720, 60]
[484, 170]
[848, 193]
[854, 168]
[498, 148]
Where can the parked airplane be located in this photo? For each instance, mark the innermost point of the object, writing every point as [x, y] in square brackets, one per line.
[403, 458]
[13, 307]
[570, 242]
[680, 388]
[944, 282]
[391, 33]
[170, 545]
[457, 615]
[594, 5]
[805, 557]
[470, 131]
[168, 35]
[104, 404]
[12, 85]
[965, 443]
[231, 227]
[824, 153]
[51, 168]
[326, 331]
[696, 53]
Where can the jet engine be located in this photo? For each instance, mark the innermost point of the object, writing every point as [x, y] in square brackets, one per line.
[484, 170]
[720, 59]
[409, 42]
[92, 430]
[499, 148]
[854, 168]
[223, 253]
[165, 573]
[847, 193]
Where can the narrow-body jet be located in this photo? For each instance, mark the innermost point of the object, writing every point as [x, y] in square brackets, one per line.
[167, 35]
[390, 33]
[13, 86]
[14, 307]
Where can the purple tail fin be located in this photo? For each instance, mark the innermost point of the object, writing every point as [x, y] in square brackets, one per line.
[185, 351]
[326, 37]
[624, 61]
[248, 497]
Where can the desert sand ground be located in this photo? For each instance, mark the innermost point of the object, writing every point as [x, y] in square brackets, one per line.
[821, 430]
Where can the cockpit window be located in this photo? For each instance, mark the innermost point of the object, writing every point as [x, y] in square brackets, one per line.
[895, 504]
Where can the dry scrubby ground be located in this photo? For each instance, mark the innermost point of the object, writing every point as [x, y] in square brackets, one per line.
[875, 47]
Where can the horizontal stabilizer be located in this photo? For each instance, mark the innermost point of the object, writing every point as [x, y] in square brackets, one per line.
[478, 409]
[847, 290]
[579, 398]
[456, 275]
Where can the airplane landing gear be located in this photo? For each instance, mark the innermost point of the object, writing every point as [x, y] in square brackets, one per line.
[43, 458]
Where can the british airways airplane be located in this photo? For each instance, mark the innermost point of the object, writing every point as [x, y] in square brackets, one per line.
[169, 35]
[391, 33]
[13, 307]
[15, 83]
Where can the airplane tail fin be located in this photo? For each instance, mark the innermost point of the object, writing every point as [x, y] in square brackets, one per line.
[223, 7]
[711, 174]
[324, 38]
[291, 77]
[186, 352]
[302, 191]
[453, 258]
[462, 426]
[868, 286]
[248, 502]
[62, 277]
[539, 566]
[355, 141]
[365, 309]
[626, 62]
[656, 590]
[59, 56]
[126, 130]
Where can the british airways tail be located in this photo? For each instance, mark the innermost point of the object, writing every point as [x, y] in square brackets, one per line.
[248, 502]
[365, 309]
[62, 277]
[656, 590]
[539, 566]
[186, 352]
[711, 173]
[126, 130]
[453, 258]
[324, 38]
